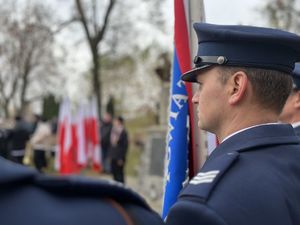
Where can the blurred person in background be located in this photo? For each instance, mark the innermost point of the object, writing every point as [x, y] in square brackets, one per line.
[291, 111]
[118, 149]
[4, 138]
[18, 138]
[34, 119]
[40, 142]
[105, 131]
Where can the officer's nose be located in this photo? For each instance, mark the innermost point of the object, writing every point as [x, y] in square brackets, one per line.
[195, 98]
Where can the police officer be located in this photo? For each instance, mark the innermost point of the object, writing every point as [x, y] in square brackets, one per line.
[291, 109]
[28, 197]
[253, 176]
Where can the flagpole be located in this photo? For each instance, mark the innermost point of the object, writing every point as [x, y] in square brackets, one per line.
[198, 153]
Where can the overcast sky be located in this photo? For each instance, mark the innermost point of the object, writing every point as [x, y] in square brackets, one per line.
[228, 11]
[234, 12]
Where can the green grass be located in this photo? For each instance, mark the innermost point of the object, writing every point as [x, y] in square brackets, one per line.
[136, 130]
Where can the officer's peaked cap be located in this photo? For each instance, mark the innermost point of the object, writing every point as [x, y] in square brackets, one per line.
[244, 46]
[296, 76]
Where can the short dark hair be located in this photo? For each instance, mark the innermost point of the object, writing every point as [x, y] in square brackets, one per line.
[18, 118]
[120, 119]
[271, 87]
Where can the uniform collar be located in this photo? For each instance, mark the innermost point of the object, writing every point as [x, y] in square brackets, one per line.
[274, 134]
[239, 131]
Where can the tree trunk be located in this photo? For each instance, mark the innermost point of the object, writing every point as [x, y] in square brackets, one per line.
[6, 112]
[96, 80]
[23, 93]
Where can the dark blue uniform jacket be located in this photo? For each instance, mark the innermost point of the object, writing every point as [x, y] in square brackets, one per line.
[252, 178]
[26, 197]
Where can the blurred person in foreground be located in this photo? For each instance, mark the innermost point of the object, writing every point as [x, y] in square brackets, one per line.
[27, 196]
[118, 149]
[291, 110]
[243, 75]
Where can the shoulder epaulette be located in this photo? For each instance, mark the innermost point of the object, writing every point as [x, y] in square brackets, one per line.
[204, 182]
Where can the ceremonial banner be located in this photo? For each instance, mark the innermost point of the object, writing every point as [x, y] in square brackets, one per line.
[176, 171]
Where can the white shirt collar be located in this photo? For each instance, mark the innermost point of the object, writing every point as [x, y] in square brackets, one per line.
[297, 124]
[239, 131]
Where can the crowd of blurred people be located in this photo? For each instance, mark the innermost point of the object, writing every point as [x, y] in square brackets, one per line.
[27, 140]
[34, 142]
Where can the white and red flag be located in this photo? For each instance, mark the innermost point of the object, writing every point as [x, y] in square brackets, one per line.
[82, 150]
[67, 143]
[78, 138]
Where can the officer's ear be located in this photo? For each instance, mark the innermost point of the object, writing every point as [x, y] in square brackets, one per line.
[237, 85]
[297, 99]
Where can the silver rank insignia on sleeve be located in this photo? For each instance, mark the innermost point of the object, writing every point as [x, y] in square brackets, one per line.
[204, 177]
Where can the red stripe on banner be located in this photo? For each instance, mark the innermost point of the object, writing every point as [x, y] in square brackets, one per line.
[182, 37]
[184, 59]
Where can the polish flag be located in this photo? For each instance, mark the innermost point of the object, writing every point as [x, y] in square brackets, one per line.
[82, 150]
[66, 149]
[89, 151]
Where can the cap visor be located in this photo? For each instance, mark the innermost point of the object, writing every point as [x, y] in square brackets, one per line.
[191, 75]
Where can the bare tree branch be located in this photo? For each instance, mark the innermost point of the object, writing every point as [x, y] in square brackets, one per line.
[84, 21]
[94, 22]
[64, 25]
[101, 32]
